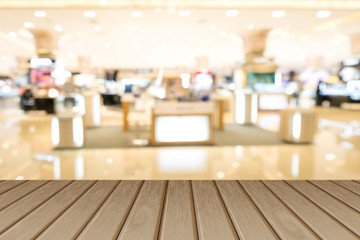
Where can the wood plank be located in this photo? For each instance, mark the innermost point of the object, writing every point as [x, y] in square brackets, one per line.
[343, 194]
[144, 218]
[17, 193]
[75, 218]
[178, 220]
[34, 223]
[10, 215]
[351, 185]
[320, 222]
[212, 219]
[286, 224]
[337, 209]
[7, 185]
[248, 221]
[107, 222]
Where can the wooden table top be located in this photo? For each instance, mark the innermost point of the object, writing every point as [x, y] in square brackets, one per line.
[179, 210]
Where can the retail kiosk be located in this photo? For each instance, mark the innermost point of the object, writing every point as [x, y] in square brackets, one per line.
[182, 123]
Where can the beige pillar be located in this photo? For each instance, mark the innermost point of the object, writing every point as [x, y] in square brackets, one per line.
[355, 43]
[254, 48]
[45, 43]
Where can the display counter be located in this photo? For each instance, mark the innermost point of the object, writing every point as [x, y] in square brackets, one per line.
[182, 123]
[46, 104]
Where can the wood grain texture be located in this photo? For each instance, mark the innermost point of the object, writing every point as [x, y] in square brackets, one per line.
[144, 218]
[248, 221]
[33, 224]
[178, 220]
[7, 185]
[22, 207]
[17, 193]
[286, 224]
[108, 220]
[212, 219]
[350, 185]
[320, 222]
[180, 210]
[340, 193]
[74, 219]
[337, 209]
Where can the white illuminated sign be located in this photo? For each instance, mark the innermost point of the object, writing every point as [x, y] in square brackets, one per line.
[174, 129]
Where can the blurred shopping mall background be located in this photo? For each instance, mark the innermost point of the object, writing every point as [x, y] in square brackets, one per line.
[180, 89]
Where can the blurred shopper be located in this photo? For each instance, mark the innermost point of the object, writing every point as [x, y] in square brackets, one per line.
[294, 86]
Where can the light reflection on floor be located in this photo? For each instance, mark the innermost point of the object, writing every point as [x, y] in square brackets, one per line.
[26, 152]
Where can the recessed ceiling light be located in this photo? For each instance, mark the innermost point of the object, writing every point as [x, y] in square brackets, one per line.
[238, 41]
[97, 28]
[40, 14]
[89, 14]
[323, 14]
[107, 44]
[58, 28]
[29, 25]
[232, 13]
[102, 2]
[136, 14]
[250, 27]
[222, 34]
[184, 13]
[278, 14]
[212, 27]
[12, 35]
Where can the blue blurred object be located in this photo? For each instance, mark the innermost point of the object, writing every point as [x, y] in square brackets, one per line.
[205, 98]
[128, 88]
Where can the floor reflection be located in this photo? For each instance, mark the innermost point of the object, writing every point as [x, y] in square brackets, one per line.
[26, 152]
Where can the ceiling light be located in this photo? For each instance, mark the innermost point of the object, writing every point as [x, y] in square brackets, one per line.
[212, 27]
[278, 14]
[107, 44]
[40, 14]
[13, 35]
[89, 14]
[330, 157]
[29, 25]
[102, 2]
[232, 13]
[184, 13]
[222, 34]
[97, 28]
[238, 41]
[136, 14]
[58, 28]
[250, 27]
[323, 14]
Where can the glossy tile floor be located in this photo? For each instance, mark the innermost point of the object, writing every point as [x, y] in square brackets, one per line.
[26, 152]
